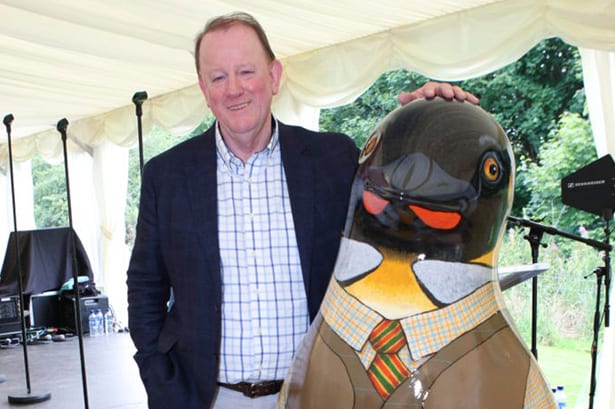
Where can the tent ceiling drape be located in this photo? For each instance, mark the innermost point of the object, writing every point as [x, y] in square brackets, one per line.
[79, 59]
[84, 59]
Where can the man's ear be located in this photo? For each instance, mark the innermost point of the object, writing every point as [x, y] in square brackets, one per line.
[203, 88]
[275, 71]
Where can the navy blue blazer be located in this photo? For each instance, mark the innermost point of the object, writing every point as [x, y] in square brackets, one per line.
[177, 246]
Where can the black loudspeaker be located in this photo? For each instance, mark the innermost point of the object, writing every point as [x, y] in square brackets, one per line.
[45, 310]
[592, 188]
[9, 316]
[87, 304]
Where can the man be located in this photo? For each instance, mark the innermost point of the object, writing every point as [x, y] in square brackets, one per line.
[244, 223]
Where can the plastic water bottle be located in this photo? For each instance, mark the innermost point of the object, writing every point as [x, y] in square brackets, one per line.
[100, 325]
[560, 397]
[108, 321]
[92, 323]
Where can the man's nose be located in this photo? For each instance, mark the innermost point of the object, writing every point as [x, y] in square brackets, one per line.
[234, 85]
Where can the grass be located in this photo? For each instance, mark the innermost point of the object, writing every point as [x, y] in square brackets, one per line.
[569, 365]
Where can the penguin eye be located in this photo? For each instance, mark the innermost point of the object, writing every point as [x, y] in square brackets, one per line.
[373, 203]
[491, 170]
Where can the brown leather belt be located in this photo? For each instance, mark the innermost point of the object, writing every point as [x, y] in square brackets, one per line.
[254, 390]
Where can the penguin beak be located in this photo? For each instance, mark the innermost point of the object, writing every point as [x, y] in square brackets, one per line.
[436, 219]
[418, 184]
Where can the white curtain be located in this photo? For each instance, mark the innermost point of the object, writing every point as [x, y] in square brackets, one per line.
[24, 198]
[6, 215]
[24, 202]
[110, 170]
[84, 206]
[291, 111]
[599, 79]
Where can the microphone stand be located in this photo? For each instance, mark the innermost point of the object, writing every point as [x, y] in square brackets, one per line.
[601, 273]
[598, 245]
[28, 397]
[138, 99]
[61, 127]
[535, 240]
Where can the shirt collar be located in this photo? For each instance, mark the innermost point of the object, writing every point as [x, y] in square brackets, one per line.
[426, 333]
[228, 157]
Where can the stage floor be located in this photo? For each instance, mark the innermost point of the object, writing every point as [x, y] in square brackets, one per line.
[112, 376]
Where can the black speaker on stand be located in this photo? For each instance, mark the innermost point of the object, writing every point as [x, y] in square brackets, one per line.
[592, 189]
[28, 397]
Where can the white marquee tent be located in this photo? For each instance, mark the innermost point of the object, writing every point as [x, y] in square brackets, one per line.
[84, 59]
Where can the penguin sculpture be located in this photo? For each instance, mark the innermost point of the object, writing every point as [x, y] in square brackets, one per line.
[413, 316]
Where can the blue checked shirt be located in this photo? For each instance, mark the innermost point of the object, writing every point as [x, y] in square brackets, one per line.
[264, 306]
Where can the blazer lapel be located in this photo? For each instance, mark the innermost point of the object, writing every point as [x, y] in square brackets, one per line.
[200, 176]
[298, 166]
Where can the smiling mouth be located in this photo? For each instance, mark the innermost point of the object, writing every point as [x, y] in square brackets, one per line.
[238, 106]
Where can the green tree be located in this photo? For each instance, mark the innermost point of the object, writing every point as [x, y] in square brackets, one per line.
[49, 195]
[527, 98]
[359, 118]
[570, 146]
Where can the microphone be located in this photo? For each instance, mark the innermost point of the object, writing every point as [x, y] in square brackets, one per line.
[138, 99]
[523, 222]
[8, 119]
[61, 127]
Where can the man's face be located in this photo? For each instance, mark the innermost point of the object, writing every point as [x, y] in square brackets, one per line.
[238, 82]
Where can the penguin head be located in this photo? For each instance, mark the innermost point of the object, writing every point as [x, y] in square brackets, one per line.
[435, 178]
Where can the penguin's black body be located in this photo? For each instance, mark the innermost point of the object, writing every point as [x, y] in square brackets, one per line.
[426, 216]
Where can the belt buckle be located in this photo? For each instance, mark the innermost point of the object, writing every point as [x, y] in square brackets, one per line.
[251, 392]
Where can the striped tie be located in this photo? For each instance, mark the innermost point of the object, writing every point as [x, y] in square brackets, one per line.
[387, 370]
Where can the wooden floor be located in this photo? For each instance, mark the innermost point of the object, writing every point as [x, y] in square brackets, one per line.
[112, 377]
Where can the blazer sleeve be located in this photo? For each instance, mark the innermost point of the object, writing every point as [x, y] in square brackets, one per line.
[147, 278]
